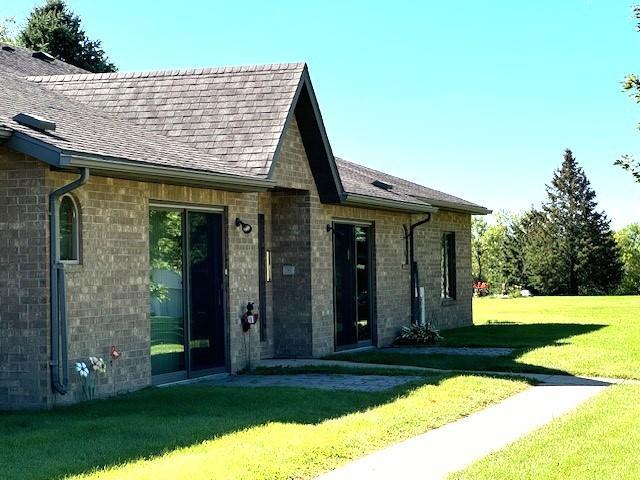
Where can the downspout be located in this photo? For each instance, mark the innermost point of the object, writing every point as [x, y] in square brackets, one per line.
[413, 267]
[59, 353]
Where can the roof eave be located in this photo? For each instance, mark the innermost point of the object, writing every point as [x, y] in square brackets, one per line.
[460, 208]
[123, 168]
[160, 174]
[336, 193]
[5, 133]
[366, 201]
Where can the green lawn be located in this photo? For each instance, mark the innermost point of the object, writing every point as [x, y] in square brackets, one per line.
[601, 440]
[204, 432]
[597, 336]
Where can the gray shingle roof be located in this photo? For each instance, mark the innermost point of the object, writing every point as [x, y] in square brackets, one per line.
[358, 179]
[234, 113]
[85, 130]
[21, 62]
[225, 120]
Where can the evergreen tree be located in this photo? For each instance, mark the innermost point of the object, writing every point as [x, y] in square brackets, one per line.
[53, 28]
[572, 249]
[544, 274]
[512, 264]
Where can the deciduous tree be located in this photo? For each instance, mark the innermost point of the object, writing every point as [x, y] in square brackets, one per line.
[628, 240]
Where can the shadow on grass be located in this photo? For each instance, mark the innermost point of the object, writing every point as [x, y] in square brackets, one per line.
[82, 438]
[520, 337]
[515, 335]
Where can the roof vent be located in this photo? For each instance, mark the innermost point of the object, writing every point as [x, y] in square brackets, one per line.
[8, 48]
[43, 56]
[34, 122]
[382, 185]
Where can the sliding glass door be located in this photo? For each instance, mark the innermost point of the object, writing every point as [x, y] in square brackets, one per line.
[206, 308]
[186, 293]
[353, 282]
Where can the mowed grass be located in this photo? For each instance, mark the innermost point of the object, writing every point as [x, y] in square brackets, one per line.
[608, 345]
[600, 440]
[205, 432]
[598, 336]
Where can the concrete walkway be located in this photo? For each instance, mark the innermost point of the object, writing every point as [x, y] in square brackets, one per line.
[452, 447]
[435, 454]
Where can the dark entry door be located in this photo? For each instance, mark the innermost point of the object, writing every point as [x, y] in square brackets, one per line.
[353, 284]
[186, 293]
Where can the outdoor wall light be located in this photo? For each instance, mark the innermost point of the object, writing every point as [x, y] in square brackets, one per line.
[246, 228]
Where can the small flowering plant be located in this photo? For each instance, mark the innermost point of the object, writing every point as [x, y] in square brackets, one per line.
[88, 374]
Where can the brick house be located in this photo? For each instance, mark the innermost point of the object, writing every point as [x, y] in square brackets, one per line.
[190, 193]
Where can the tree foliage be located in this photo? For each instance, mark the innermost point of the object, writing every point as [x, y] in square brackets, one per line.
[628, 240]
[631, 165]
[488, 249]
[631, 84]
[576, 239]
[565, 247]
[53, 28]
[6, 30]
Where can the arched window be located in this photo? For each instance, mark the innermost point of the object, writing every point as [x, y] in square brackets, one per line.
[68, 233]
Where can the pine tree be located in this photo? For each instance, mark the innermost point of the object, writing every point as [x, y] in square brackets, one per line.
[572, 249]
[513, 248]
[56, 30]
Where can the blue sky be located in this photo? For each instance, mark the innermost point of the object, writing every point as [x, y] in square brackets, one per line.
[478, 99]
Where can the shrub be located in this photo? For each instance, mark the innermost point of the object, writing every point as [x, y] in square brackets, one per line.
[417, 335]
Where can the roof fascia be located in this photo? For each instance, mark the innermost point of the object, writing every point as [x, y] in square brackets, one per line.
[358, 200]
[5, 133]
[35, 148]
[119, 168]
[458, 207]
[160, 174]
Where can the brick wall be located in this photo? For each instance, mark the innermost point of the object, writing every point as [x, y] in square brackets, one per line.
[24, 344]
[292, 316]
[392, 302]
[391, 273]
[108, 301]
[445, 313]
[108, 292]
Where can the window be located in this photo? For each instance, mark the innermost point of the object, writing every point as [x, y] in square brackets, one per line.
[449, 265]
[68, 231]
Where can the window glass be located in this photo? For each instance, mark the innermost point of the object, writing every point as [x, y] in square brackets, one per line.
[68, 230]
[449, 265]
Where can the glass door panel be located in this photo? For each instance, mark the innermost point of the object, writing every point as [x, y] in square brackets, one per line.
[363, 282]
[206, 308]
[352, 283]
[166, 292]
[344, 284]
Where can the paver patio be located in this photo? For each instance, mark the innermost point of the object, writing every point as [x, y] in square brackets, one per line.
[473, 351]
[362, 383]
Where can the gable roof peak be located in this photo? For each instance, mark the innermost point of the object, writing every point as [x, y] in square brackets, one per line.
[258, 68]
